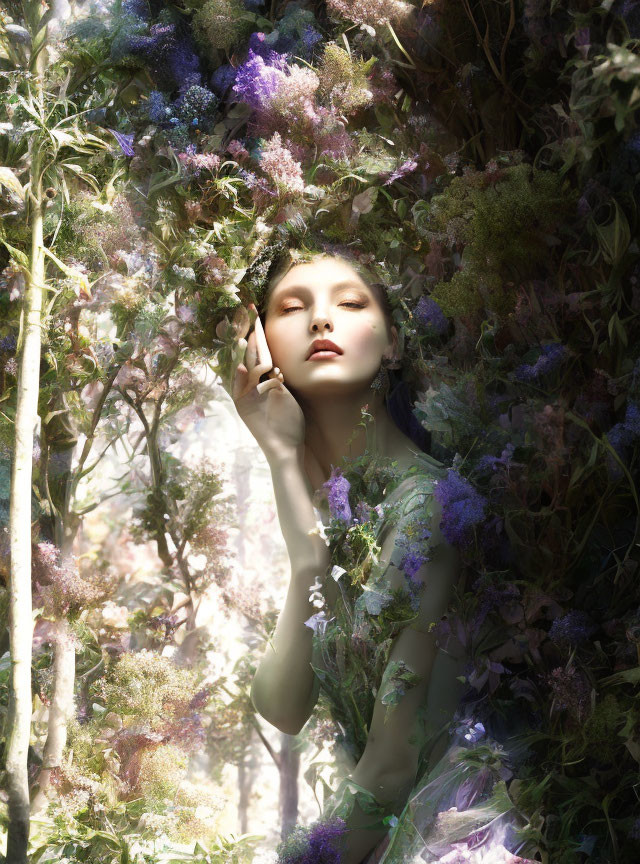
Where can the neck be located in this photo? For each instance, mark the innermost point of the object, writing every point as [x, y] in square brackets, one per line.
[332, 431]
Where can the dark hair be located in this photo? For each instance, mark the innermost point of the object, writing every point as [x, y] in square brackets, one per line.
[399, 399]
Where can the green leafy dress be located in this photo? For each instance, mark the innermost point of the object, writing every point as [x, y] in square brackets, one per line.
[459, 801]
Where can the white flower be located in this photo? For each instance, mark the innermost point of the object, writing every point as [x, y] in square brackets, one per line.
[115, 616]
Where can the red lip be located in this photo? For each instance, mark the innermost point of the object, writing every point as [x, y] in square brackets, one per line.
[323, 345]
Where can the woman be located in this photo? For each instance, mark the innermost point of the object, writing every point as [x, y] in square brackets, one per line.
[328, 334]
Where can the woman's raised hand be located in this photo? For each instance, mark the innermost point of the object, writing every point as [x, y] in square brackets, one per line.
[267, 408]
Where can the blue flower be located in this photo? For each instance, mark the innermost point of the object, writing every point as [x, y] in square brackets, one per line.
[573, 628]
[139, 8]
[157, 107]
[337, 487]
[550, 358]
[310, 38]
[430, 316]
[223, 78]
[463, 507]
[621, 437]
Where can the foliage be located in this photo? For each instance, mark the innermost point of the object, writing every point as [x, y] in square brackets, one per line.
[482, 161]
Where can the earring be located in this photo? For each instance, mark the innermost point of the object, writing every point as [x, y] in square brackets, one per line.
[382, 381]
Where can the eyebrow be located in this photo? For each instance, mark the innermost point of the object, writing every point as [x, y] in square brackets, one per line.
[346, 283]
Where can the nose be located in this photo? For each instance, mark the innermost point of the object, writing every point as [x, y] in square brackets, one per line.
[320, 321]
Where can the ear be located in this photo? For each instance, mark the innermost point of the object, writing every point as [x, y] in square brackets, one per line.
[392, 351]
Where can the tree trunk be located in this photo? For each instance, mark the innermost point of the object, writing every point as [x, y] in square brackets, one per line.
[289, 770]
[62, 706]
[247, 772]
[20, 601]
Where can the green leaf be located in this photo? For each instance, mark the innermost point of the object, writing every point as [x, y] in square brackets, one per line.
[9, 179]
[19, 256]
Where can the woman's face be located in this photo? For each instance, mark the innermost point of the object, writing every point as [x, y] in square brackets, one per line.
[326, 299]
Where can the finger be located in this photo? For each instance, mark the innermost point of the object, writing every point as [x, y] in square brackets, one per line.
[263, 386]
[251, 354]
[239, 382]
[264, 355]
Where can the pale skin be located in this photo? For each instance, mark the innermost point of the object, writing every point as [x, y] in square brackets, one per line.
[304, 428]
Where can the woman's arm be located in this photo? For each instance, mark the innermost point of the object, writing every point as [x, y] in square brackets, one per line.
[388, 766]
[283, 689]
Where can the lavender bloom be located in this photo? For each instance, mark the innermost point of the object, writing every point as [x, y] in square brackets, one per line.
[573, 628]
[259, 47]
[256, 81]
[412, 562]
[338, 495]
[548, 361]
[430, 316]
[253, 5]
[462, 508]
[223, 78]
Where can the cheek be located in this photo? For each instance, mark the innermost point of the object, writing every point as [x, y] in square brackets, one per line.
[366, 339]
[281, 340]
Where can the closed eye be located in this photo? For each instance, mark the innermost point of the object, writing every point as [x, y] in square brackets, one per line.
[352, 305]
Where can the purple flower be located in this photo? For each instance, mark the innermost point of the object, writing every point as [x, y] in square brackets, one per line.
[125, 142]
[363, 512]
[550, 358]
[259, 47]
[407, 167]
[573, 628]
[463, 507]
[338, 495]
[313, 845]
[430, 316]
[257, 81]
[412, 562]
[571, 690]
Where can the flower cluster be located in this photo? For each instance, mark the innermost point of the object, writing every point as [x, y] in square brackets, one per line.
[318, 844]
[281, 168]
[60, 586]
[463, 507]
[337, 487]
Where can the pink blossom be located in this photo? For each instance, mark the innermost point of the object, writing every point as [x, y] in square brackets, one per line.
[280, 166]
